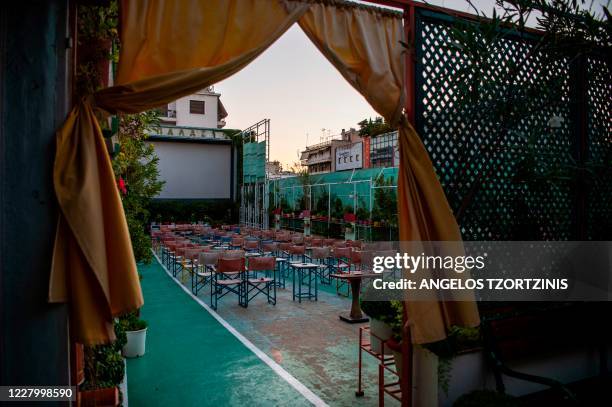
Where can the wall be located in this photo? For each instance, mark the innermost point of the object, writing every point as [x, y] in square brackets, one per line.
[471, 371]
[210, 119]
[194, 170]
[34, 102]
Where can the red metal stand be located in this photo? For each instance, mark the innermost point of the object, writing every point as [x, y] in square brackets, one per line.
[386, 363]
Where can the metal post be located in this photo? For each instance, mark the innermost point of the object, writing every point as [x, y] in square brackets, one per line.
[354, 198]
[309, 197]
[328, 206]
[410, 32]
[371, 198]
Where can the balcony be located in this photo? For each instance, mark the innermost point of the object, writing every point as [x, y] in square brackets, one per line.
[318, 158]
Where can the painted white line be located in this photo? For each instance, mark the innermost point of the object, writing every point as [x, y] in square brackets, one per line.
[295, 383]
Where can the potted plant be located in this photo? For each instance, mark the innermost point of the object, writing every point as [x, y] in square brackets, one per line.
[104, 370]
[136, 332]
[97, 28]
[379, 312]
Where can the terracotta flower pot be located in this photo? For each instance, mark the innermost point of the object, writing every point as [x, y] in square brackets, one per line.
[96, 51]
[99, 397]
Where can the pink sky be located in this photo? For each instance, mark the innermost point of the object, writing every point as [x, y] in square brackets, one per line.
[294, 86]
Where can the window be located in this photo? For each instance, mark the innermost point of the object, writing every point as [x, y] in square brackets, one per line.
[382, 149]
[196, 107]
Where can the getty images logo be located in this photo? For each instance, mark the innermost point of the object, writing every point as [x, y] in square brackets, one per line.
[404, 261]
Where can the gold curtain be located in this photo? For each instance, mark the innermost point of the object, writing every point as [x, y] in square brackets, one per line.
[172, 49]
[169, 50]
[363, 43]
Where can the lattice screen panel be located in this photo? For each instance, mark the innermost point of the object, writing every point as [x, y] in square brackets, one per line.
[599, 203]
[469, 146]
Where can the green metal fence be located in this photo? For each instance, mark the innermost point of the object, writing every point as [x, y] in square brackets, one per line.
[370, 193]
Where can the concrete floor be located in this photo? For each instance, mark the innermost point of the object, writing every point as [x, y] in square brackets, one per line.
[209, 366]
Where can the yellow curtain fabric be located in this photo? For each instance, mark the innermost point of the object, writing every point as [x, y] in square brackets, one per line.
[169, 50]
[363, 43]
[93, 263]
[172, 49]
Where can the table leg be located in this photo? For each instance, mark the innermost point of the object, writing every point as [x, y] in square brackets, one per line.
[293, 281]
[355, 306]
[355, 315]
[316, 286]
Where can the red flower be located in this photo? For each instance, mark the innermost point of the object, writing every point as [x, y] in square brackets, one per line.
[122, 186]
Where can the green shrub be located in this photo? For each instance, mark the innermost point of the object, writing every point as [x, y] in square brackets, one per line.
[131, 322]
[381, 310]
[137, 165]
[104, 366]
[176, 210]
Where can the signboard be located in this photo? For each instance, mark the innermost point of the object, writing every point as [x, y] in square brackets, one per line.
[349, 157]
[187, 132]
[366, 152]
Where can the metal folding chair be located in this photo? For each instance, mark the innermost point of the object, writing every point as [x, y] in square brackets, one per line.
[251, 245]
[321, 255]
[227, 278]
[341, 263]
[297, 252]
[254, 284]
[207, 262]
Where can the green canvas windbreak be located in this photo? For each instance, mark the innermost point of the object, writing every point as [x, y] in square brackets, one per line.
[254, 162]
[354, 189]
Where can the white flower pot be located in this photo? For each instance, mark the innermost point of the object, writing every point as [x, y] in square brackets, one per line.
[135, 346]
[381, 330]
[424, 376]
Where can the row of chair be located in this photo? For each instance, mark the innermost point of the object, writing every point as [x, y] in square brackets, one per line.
[198, 254]
[225, 271]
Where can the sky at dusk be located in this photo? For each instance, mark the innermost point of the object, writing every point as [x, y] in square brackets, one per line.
[294, 86]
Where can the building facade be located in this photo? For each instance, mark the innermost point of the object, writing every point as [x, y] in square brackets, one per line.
[383, 150]
[196, 158]
[322, 157]
[274, 170]
[202, 109]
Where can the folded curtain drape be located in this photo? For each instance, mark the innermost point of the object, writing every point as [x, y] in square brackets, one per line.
[363, 43]
[169, 50]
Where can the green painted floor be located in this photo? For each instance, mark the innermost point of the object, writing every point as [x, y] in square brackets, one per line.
[192, 360]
